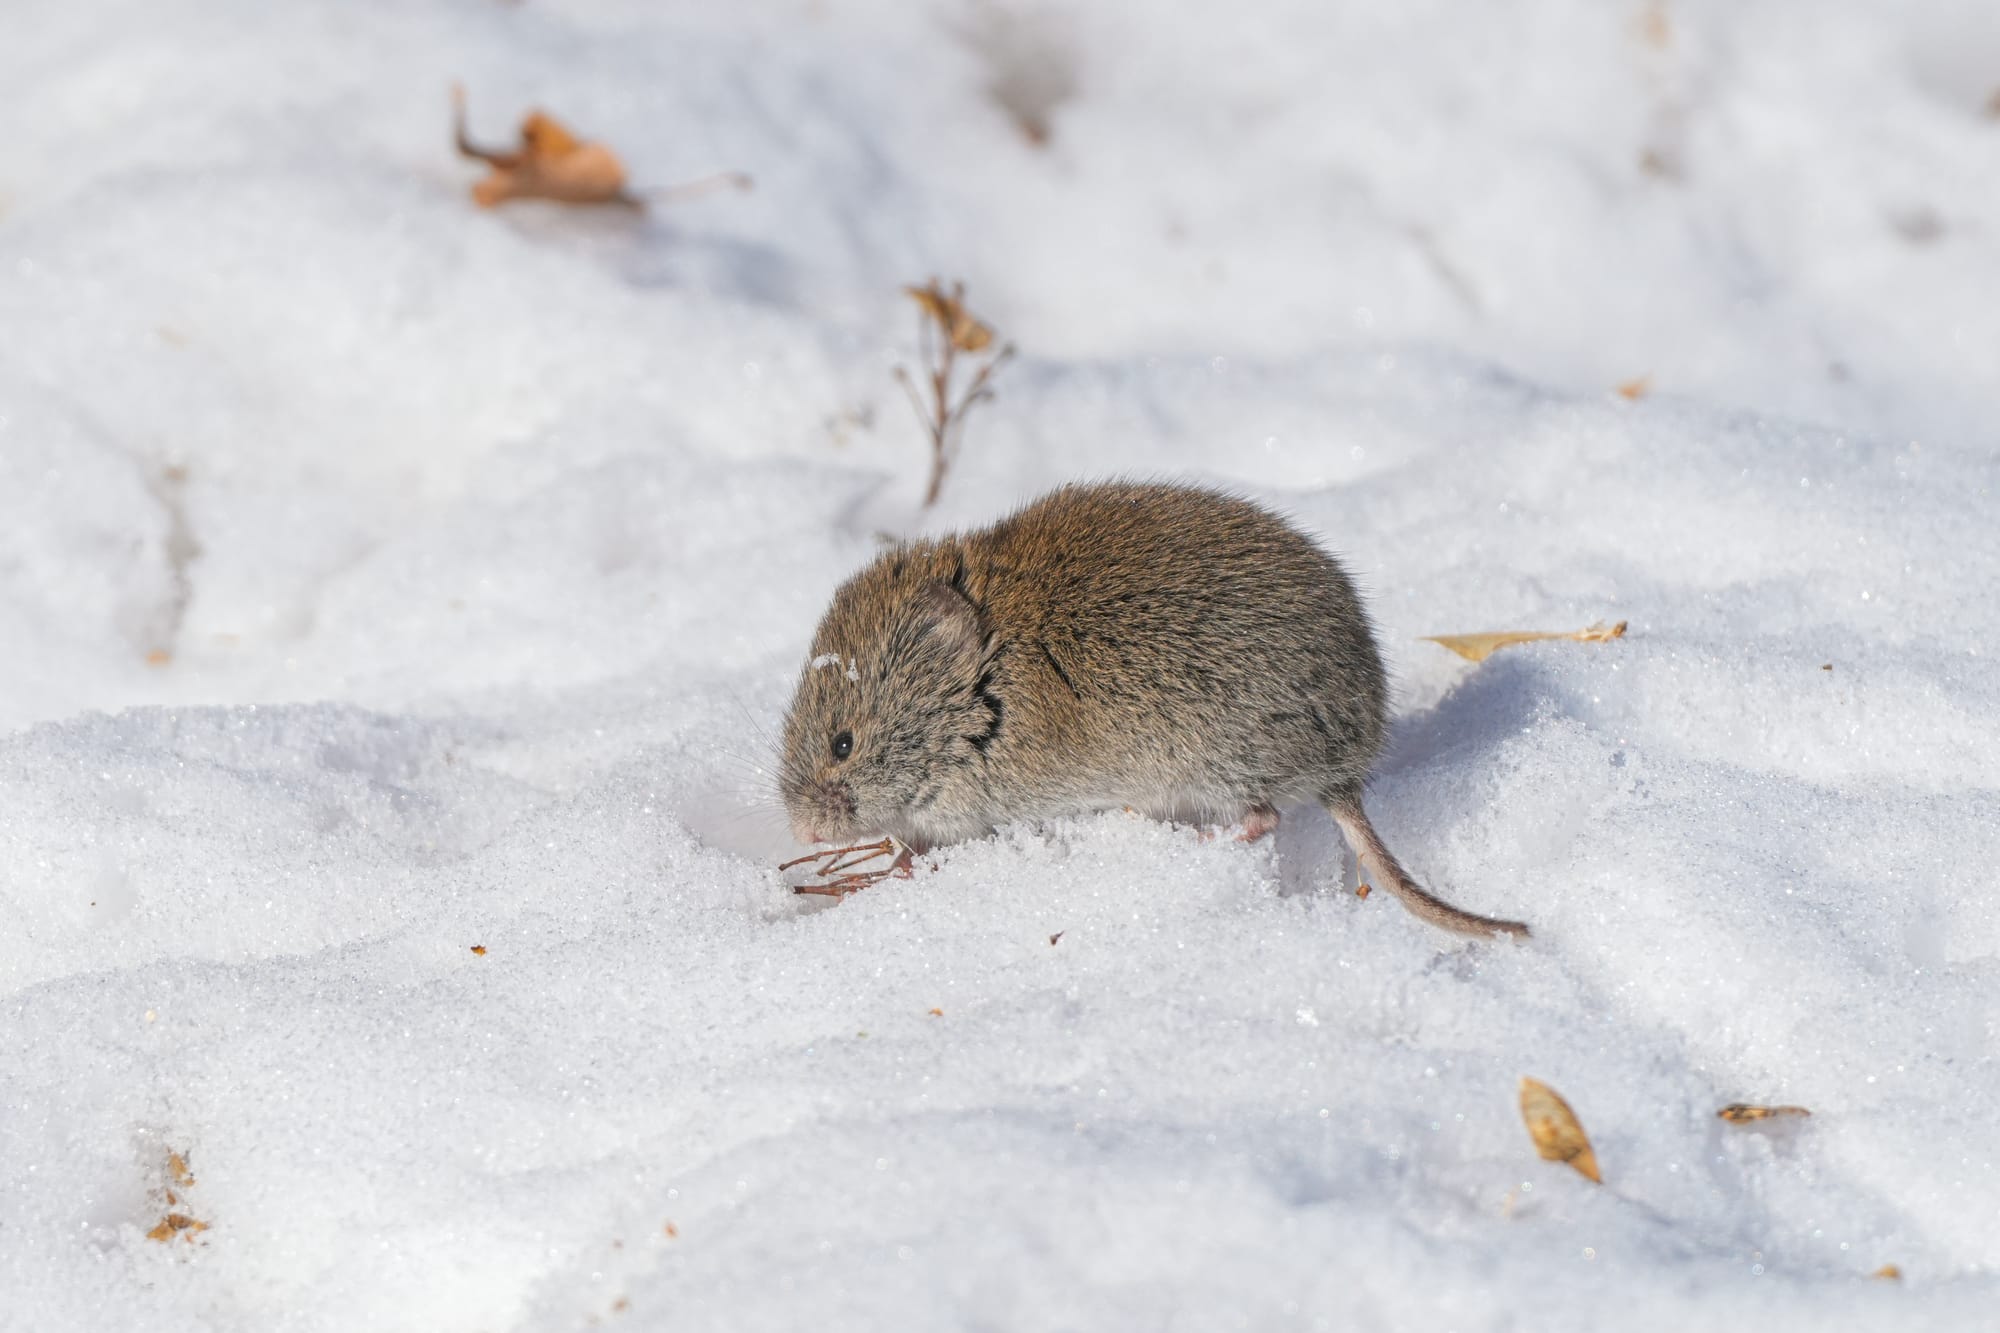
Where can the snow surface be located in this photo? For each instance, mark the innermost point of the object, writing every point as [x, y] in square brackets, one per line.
[476, 555]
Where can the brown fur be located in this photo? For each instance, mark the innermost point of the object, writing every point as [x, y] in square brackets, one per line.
[1176, 650]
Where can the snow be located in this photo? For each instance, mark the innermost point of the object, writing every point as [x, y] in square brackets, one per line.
[382, 578]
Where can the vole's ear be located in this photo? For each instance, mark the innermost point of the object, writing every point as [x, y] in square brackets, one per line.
[949, 617]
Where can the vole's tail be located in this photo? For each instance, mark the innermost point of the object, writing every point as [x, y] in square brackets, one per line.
[1345, 807]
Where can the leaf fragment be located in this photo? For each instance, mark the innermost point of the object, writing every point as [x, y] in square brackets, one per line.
[1557, 1133]
[1743, 1113]
[1633, 390]
[947, 310]
[479, 949]
[176, 1224]
[177, 1179]
[1888, 1273]
[1479, 647]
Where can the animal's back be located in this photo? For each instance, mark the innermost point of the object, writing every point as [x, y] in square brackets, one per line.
[1218, 656]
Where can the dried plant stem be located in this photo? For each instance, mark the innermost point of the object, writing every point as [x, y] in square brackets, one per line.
[943, 331]
[838, 864]
[835, 854]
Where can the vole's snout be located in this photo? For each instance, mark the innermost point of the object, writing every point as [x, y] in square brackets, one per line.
[825, 814]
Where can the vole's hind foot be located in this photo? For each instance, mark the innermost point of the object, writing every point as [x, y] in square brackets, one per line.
[1258, 820]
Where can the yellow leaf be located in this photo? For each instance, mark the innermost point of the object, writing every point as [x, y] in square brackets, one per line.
[1554, 1127]
[948, 312]
[1479, 647]
[970, 335]
[941, 308]
[1888, 1272]
[1742, 1113]
[176, 1224]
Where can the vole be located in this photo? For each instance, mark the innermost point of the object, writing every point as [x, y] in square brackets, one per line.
[1179, 651]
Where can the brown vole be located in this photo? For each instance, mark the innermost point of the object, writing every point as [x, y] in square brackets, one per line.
[1175, 650]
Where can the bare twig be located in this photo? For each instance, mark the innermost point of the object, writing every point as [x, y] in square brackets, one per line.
[837, 865]
[882, 848]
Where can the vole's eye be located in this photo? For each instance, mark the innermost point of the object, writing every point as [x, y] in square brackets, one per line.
[843, 745]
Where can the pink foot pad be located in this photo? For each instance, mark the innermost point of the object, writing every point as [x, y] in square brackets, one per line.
[1258, 820]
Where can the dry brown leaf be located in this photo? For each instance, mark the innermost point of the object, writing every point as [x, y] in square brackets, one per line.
[479, 949]
[551, 163]
[159, 657]
[1633, 390]
[1558, 1135]
[937, 1013]
[948, 312]
[673, 1232]
[176, 1224]
[1889, 1273]
[1742, 1113]
[1053, 938]
[1479, 647]
[177, 1170]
